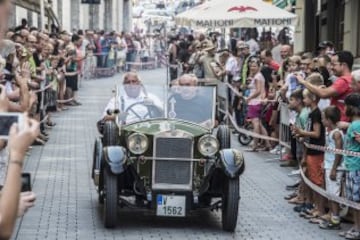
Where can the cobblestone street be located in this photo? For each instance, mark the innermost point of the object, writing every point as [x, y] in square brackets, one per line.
[67, 202]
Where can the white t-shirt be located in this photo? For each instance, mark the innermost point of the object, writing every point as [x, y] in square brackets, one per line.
[125, 101]
[254, 46]
[233, 67]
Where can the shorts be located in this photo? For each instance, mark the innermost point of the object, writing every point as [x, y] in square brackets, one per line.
[299, 150]
[72, 82]
[254, 111]
[314, 170]
[333, 187]
[353, 185]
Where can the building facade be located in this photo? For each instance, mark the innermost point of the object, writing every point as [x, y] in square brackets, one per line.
[72, 14]
[334, 20]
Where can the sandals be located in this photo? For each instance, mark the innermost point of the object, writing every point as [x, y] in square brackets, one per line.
[330, 225]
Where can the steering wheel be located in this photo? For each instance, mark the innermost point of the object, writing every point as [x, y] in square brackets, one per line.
[152, 110]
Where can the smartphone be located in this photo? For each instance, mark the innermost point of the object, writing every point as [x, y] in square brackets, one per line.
[7, 120]
[25, 182]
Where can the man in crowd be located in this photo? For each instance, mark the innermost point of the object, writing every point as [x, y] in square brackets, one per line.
[341, 65]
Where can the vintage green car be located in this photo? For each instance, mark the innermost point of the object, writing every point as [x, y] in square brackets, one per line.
[163, 153]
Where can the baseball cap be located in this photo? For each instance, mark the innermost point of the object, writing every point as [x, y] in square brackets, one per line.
[242, 44]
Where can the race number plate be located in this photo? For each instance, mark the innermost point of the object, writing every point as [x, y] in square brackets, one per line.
[170, 205]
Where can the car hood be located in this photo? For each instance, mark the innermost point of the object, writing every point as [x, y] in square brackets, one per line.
[156, 126]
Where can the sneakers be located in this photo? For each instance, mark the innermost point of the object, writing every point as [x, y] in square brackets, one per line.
[330, 225]
[303, 207]
[353, 235]
[286, 157]
[289, 163]
[294, 173]
[276, 150]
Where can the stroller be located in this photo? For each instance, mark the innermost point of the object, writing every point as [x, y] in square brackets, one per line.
[240, 109]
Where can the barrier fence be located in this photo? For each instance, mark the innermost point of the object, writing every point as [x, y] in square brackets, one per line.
[285, 141]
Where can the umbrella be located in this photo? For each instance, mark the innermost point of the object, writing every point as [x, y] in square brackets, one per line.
[236, 13]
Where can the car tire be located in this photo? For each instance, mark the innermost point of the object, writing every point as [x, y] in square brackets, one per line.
[110, 134]
[230, 204]
[223, 136]
[111, 198]
[96, 156]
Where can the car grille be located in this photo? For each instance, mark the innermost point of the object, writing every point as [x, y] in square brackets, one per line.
[173, 171]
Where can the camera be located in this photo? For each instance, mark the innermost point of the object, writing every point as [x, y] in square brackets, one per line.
[7, 120]
[9, 77]
[25, 182]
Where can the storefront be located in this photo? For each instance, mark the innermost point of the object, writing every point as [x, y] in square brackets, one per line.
[336, 21]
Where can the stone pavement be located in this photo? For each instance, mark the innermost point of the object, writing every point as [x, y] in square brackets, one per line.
[67, 206]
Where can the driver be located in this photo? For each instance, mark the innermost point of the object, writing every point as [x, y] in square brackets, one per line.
[188, 103]
[126, 103]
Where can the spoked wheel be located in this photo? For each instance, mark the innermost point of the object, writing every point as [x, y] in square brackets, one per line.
[230, 204]
[223, 135]
[111, 198]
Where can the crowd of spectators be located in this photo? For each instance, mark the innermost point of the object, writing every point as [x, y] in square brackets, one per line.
[319, 93]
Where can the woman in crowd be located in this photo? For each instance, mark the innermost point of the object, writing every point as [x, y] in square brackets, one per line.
[255, 101]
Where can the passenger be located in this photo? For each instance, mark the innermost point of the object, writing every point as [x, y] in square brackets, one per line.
[134, 93]
[189, 104]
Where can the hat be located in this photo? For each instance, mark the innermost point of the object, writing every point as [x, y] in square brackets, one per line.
[208, 45]
[242, 44]
[196, 44]
[325, 44]
[223, 51]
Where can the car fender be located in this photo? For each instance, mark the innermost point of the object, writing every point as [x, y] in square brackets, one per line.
[115, 157]
[232, 162]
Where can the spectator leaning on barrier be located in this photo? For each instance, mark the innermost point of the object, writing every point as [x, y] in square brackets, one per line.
[313, 159]
[352, 164]
[341, 63]
[333, 166]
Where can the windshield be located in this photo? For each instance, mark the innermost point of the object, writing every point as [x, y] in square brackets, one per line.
[140, 102]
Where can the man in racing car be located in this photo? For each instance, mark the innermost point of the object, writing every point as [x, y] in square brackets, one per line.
[134, 104]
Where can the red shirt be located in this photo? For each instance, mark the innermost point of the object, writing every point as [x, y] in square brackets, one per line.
[274, 65]
[342, 87]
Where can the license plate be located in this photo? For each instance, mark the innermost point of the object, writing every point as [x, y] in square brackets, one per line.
[170, 206]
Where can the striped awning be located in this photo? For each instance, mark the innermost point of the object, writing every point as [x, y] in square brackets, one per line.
[283, 3]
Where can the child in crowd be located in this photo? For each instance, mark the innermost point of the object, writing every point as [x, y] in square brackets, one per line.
[313, 159]
[352, 164]
[291, 85]
[302, 114]
[332, 163]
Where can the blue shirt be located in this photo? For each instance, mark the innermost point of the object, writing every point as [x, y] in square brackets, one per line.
[352, 163]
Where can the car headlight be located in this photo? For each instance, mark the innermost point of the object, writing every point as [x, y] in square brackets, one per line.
[137, 143]
[208, 145]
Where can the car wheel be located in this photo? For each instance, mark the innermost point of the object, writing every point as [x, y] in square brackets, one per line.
[110, 134]
[111, 198]
[96, 159]
[230, 205]
[223, 135]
